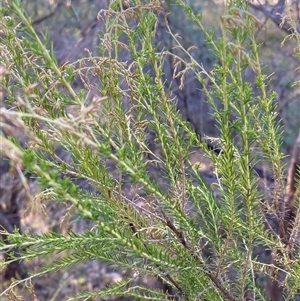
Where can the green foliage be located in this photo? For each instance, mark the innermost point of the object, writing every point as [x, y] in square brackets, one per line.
[198, 243]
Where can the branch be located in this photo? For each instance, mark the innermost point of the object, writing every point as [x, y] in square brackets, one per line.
[275, 13]
[293, 179]
[42, 19]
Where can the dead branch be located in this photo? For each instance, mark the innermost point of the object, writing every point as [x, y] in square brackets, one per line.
[42, 19]
[277, 275]
[293, 179]
[275, 13]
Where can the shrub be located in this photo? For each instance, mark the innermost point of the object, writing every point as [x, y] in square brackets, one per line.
[202, 245]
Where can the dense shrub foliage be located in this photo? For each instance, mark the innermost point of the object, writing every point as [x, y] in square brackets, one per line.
[150, 210]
